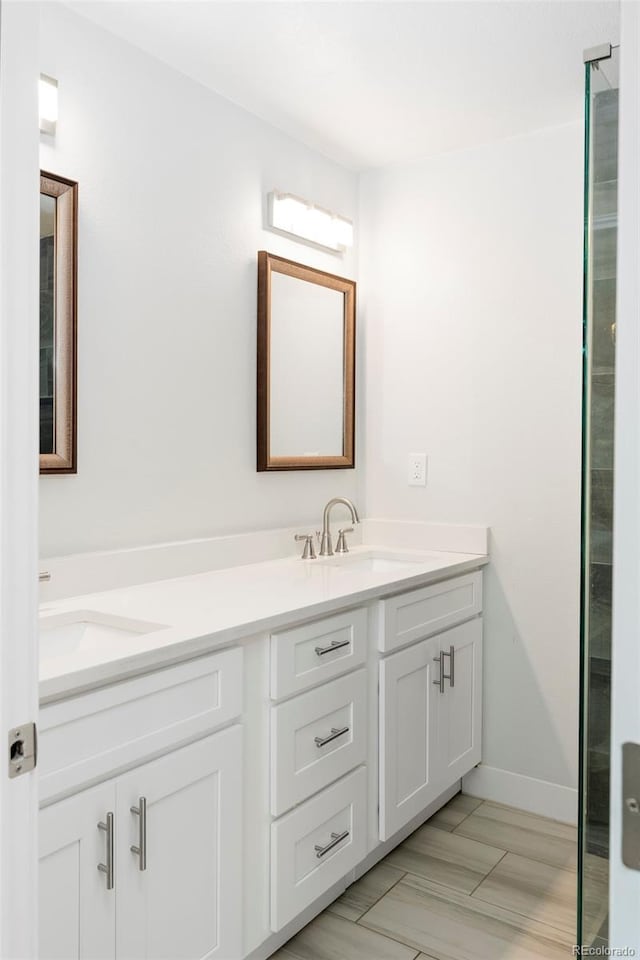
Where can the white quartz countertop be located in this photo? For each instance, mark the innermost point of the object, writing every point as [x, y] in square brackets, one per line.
[191, 615]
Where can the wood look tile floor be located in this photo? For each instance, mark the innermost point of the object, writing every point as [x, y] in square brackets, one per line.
[478, 881]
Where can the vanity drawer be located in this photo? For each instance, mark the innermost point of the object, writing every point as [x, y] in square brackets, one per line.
[316, 738]
[334, 822]
[314, 652]
[421, 613]
[88, 737]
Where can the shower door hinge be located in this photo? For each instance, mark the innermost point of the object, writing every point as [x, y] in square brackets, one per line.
[23, 749]
[601, 52]
[631, 805]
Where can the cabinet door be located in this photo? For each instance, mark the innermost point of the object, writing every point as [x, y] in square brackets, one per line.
[186, 904]
[408, 734]
[77, 911]
[460, 706]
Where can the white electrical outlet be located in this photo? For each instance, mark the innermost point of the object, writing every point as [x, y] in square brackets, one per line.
[417, 471]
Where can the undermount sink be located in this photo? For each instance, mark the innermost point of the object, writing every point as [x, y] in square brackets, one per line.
[88, 632]
[370, 563]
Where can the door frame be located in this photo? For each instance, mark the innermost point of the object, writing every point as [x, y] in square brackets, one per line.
[624, 887]
[19, 231]
[19, 167]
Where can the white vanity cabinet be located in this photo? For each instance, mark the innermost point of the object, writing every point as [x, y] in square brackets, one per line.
[417, 614]
[460, 704]
[185, 903]
[316, 845]
[408, 761]
[304, 656]
[77, 914]
[319, 741]
[209, 809]
[316, 738]
[178, 894]
[430, 720]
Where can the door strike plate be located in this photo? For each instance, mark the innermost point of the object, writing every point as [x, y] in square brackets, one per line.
[22, 749]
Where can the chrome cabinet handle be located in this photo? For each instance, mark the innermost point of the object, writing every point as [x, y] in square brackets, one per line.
[440, 681]
[140, 849]
[335, 733]
[336, 838]
[107, 867]
[334, 645]
[452, 663]
[445, 676]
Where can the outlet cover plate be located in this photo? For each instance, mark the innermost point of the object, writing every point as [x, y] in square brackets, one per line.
[417, 470]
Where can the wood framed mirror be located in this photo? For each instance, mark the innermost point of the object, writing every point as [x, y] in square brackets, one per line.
[306, 367]
[58, 323]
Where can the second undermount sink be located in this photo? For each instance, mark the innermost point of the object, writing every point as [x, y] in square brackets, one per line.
[370, 563]
[89, 632]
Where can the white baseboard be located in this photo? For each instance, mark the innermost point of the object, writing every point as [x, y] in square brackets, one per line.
[526, 793]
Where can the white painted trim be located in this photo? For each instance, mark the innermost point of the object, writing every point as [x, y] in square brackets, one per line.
[19, 332]
[541, 797]
[624, 883]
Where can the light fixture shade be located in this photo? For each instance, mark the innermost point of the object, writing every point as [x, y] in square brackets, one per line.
[302, 219]
[48, 104]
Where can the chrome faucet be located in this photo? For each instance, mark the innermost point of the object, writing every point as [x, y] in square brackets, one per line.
[326, 546]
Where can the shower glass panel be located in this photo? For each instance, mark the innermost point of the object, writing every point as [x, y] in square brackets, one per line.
[601, 182]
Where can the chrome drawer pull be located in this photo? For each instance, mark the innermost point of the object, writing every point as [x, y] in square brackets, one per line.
[335, 733]
[108, 866]
[336, 838]
[141, 848]
[452, 662]
[440, 682]
[334, 645]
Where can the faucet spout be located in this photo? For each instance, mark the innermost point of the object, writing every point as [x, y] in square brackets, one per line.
[326, 545]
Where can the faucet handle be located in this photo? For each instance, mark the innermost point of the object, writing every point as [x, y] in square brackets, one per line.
[308, 553]
[341, 546]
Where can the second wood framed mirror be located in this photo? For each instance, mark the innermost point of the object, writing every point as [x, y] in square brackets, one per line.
[306, 367]
[58, 323]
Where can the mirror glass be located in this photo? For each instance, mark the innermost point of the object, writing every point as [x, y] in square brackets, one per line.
[47, 321]
[307, 368]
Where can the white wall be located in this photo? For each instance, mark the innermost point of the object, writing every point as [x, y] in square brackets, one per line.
[471, 297]
[471, 285]
[172, 191]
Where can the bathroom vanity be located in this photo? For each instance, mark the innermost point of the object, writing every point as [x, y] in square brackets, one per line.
[221, 755]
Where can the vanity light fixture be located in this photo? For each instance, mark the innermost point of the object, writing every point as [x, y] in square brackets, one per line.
[48, 104]
[302, 219]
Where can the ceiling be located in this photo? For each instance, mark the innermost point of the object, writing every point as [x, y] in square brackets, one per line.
[376, 83]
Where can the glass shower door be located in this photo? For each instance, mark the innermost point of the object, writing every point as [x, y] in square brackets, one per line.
[601, 182]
